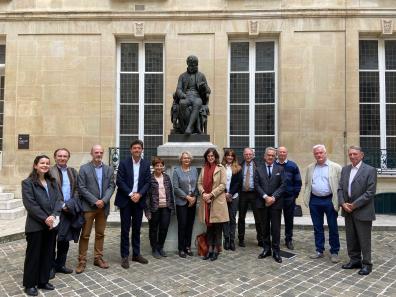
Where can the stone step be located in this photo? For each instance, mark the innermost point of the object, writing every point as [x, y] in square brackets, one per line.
[12, 214]
[6, 196]
[10, 204]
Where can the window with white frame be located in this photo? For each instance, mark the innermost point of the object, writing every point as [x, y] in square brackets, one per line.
[141, 93]
[377, 92]
[2, 81]
[252, 94]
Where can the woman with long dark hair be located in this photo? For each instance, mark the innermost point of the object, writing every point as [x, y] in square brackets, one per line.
[43, 202]
[213, 209]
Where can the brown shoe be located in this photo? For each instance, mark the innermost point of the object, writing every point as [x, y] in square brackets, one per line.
[125, 262]
[101, 263]
[140, 259]
[80, 267]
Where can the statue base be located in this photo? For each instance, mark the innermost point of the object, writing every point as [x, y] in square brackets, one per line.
[188, 138]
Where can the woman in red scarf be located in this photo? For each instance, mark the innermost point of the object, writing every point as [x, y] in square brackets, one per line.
[213, 209]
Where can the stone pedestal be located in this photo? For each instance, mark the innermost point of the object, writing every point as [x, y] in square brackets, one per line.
[170, 153]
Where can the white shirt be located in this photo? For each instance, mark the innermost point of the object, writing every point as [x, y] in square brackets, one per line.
[354, 170]
[136, 168]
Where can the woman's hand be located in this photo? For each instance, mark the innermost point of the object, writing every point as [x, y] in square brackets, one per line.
[207, 197]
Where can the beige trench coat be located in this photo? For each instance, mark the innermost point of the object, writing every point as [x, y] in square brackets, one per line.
[219, 209]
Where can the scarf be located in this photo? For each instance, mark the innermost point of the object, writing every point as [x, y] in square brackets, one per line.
[207, 185]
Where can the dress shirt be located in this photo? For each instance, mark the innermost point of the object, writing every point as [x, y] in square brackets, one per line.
[354, 170]
[99, 175]
[65, 183]
[251, 179]
[320, 180]
[136, 168]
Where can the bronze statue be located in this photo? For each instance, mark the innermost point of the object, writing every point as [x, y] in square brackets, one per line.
[190, 101]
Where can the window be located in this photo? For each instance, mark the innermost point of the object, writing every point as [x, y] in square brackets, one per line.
[2, 64]
[252, 95]
[377, 93]
[140, 94]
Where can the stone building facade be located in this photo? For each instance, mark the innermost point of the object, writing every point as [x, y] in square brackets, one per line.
[293, 73]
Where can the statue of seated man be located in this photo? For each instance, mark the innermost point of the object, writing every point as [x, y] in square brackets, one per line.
[191, 94]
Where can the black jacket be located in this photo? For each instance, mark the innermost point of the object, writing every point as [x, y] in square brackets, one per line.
[274, 186]
[71, 221]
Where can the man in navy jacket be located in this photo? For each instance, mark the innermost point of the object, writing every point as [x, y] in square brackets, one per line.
[133, 181]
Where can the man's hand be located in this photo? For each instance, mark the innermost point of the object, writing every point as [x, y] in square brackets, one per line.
[135, 197]
[346, 207]
[50, 221]
[99, 204]
[269, 200]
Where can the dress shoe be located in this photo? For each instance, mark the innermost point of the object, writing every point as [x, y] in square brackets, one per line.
[47, 286]
[140, 259]
[260, 244]
[52, 273]
[214, 256]
[31, 291]
[277, 257]
[352, 265]
[162, 253]
[101, 263]
[264, 254]
[317, 255]
[366, 269]
[182, 254]
[290, 245]
[125, 262]
[226, 245]
[242, 243]
[80, 267]
[208, 256]
[156, 254]
[232, 245]
[189, 252]
[64, 269]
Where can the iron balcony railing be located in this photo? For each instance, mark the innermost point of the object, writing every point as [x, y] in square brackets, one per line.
[117, 154]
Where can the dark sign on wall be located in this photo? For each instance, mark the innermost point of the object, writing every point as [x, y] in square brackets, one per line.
[23, 141]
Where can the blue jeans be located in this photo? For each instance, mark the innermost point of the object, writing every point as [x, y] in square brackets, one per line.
[319, 206]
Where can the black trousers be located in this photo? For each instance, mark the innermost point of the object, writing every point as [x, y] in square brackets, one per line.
[158, 227]
[289, 203]
[62, 247]
[39, 255]
[271, 222]
[185, 223]
[229, 227]
[246, 199]
[213, 233]
[132, 213]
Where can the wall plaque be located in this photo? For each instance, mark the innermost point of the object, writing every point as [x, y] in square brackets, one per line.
[23, 141]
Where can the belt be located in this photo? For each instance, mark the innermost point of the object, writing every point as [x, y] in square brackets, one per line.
[322, 197]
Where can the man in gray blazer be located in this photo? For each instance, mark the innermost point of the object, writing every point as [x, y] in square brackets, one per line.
[96, 186]
[356, 197]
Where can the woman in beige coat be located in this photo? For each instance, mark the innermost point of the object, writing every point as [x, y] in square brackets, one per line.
[213, 209]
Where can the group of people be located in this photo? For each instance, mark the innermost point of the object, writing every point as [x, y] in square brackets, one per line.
[63, 205]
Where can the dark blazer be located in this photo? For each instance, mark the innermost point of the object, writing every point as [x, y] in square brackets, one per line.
[125, 182]
[88, 186]
[236, 183]
[274, 186]
[363, 189]
[73, 177]
[254, 172]
[38, 205]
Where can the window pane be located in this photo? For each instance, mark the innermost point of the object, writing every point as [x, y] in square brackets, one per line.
[265, 119]
[153, 57]
[240, 56]
[153, 88]
[129, 119]
[239, 88]
[391, 152]
[1, 108]
[369, 87]
[129, 88]
[239, 120]
[369, 119]
[371, 148]
[390, 54]
[239, 142]
[129, 57]
[152, 142]
[2, 53]
[261, 142]
[390, 87]
[368, 54]
[265, 88]
[265, 56]
[153, 119]
[391, 119]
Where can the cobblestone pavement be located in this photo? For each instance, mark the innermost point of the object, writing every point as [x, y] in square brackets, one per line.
[237, 273]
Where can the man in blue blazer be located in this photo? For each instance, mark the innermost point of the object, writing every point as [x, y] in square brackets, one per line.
[133, 181]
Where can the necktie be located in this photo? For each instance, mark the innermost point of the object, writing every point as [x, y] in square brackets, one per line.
[269, 171]
[247, 178]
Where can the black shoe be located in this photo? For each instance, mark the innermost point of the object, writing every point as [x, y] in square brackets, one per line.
[156, 254]
[208, 256]
[264, 254]
[290, 245]
[226, 245]
[232, 245]
[64, 270]
[31, 291]
[182, 254]
[162, 253]
[366, 269]
[47, 286]
[351, 265]
[52, 273]
[189, 252]
[260, 244]
[242, 243]
[140, 259]
[214, 256]
[277, 257]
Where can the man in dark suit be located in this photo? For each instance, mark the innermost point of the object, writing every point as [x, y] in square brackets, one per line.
[270, 186]
[133, 181]
[356, 197]
[96, 186]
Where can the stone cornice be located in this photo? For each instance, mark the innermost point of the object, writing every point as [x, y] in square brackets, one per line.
[196, 15]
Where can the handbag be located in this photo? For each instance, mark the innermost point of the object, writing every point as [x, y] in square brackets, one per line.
[201, 243]
[298, 211]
